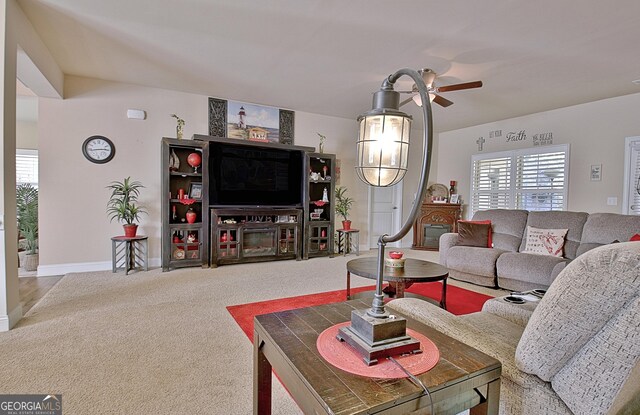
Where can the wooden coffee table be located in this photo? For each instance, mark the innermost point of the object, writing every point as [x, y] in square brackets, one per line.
[414, 270]
[286, 341]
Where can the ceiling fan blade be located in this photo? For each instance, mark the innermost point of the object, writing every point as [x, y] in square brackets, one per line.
[457, 87]
[406, 101]
[441, 101]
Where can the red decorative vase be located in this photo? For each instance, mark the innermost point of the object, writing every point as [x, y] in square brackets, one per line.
[130, 230]
[194, 160]
[346, 225]
[395, 254]
[191, 216]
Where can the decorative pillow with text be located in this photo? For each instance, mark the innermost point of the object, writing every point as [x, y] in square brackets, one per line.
[545, 241]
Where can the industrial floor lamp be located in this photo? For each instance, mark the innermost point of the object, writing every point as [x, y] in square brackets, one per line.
[382, 159]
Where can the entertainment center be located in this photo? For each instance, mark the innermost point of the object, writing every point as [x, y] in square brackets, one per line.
[231, 201]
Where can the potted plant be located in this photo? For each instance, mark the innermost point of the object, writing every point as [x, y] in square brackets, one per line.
[27, 215]
[343, 205]
[123, 204]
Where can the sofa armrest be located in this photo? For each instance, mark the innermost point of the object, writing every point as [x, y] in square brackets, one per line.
[447, 240]
[515, 313]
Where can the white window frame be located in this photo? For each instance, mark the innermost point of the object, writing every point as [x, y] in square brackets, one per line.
[628, 154]
[513, 155]
[30, 153]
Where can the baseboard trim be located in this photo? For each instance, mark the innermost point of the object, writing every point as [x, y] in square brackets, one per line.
[7, 322]
[62, 269]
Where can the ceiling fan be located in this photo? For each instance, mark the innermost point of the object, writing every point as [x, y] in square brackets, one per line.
[429, 77]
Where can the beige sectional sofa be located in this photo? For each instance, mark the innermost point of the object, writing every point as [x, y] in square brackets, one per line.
[506, 266]
[576, 352]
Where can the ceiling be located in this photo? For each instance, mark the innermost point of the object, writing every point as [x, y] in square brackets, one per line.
[328, 56]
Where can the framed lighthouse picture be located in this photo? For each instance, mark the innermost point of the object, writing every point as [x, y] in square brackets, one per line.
[245, 121]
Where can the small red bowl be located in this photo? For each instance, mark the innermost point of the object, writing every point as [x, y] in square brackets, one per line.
[395, 254]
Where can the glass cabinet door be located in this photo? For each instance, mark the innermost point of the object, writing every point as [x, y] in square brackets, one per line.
[227, 242]
[287, 240]
[185, 244]
[319, 235]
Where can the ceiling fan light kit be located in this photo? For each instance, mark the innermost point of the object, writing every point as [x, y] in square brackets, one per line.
[429, 76]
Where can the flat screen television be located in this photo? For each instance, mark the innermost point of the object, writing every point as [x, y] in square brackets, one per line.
[248, 175]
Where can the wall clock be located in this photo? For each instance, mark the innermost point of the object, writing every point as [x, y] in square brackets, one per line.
[98, 149]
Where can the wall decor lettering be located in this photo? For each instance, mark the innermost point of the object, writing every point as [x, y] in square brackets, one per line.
[516, 136]
[543, 139]
[480, 141]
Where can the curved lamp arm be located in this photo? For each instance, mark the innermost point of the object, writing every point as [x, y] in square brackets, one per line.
[377, 309]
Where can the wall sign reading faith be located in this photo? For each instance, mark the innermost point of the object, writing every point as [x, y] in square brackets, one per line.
[519, 136]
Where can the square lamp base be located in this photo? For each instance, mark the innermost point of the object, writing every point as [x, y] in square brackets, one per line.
[377, 338]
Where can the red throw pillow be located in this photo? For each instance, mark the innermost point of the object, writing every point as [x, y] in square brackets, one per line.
[635, 238]
[483, 222]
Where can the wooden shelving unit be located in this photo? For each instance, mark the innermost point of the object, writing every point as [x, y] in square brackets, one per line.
[184, 244]
[319, 205]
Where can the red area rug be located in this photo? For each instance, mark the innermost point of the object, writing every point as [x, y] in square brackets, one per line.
[459, 301]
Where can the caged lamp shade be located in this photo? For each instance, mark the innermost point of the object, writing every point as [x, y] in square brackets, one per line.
[383, 147]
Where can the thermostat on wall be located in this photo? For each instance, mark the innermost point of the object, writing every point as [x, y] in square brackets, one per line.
[136, 114]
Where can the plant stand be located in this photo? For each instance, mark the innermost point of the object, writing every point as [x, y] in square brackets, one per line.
[129, 253]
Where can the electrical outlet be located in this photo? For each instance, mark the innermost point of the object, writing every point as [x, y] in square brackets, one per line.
[612, 201]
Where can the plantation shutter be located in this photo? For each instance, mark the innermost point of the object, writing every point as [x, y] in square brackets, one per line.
[27, 167]
[634, 179]
[540, 181]
[491, 183]
[530, 179]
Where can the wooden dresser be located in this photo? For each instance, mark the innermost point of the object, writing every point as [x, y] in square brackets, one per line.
[433, 220]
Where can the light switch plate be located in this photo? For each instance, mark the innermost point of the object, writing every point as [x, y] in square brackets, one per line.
[612, 201]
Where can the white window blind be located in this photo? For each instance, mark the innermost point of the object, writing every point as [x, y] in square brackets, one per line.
[531, 179]
[27, 167]
[491, 183]
[540, 180]
[632, 177]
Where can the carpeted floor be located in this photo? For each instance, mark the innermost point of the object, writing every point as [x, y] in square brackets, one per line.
[154, 342]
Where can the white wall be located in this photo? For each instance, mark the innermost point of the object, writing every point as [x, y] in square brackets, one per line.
[594, 131]
[75, 231]
[23, 53]
[27, 135]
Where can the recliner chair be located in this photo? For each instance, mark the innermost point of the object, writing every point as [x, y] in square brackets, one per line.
[579, 352]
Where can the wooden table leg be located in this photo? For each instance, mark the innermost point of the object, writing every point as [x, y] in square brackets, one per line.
[348, 285]
[400, 286]
[443, 297]
[261, 379]
[491, 405]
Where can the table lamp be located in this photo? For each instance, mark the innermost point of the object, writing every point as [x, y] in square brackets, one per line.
[382, 160]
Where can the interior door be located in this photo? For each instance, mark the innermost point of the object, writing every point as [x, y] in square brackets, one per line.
[385, 213]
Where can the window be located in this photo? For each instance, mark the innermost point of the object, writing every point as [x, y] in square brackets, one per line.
[530, 179]
[631, 195]
[27, 167]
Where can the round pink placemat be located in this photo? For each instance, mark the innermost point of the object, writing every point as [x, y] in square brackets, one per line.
[344, 357]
